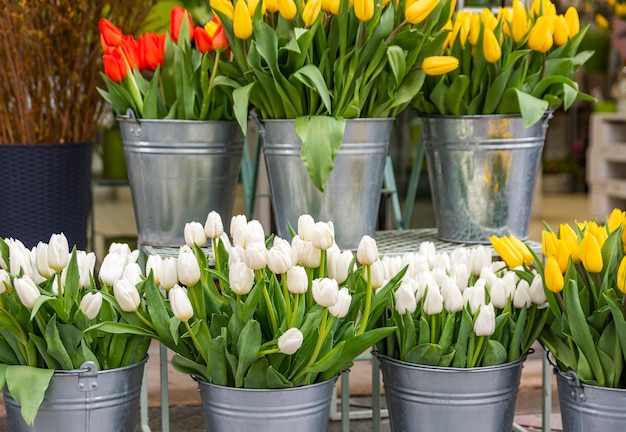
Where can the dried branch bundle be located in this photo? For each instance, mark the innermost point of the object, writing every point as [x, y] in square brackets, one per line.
[51, 61]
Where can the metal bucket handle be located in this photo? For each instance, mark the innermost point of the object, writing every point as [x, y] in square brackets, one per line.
[260, 124]
[135, 129]
[88, 377]
[577, 392]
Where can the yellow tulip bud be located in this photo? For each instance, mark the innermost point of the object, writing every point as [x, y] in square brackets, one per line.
[561, 31]
[569, 236]
[505, 15]
[621, 276]
[562, 254]
[540, 36]
[548, 243]
[590, 254]
[331, 6]
[573, 21]
[615, 220]
[242, 22]
[287, 9]
[475, 27]
[311, 11]
[225, 7]
[602, 22]
[598, 232]
[420, 10]
[511, 256]
[489, 19]
[439, 65]
[553, 277]
[408, 3]
[364, 9]
[542, 8]
[620, 10]
[271, 5]
[252, 4]
[520, 22]
[521, 246]
[491, 47]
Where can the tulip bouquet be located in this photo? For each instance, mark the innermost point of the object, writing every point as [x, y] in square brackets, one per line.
[323, 61]
[251, 316]
[461, 309]
[176, 75]
[521, 60]
[585, 281]
[48, 303]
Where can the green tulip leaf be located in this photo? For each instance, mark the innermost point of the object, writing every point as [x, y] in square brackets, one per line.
[189, 367]
[462, 340]
[277, 381]
[248, 346]
[311, 77]
[28, 386]
[55, 345]
[495, 354]
[256, 378]
[531, 108]
[425, 354]
[455, 95]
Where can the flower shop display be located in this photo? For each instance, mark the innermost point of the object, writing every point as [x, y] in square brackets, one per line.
[464, 326]
[57, 373]
[264, 326]
[50, 113]
[175, 110]
[585, 334]
[321, 76]
[484, 123]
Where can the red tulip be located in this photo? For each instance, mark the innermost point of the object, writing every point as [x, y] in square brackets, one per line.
[204, 43]
[151, 53]
[216, 31]
[110, 35]
[114, 67]
[130, 51]
[176, 19]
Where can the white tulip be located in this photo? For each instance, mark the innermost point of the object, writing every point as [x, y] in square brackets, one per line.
[498, 293]
[405, 298]
[442, 261]
[340, 309]
[188, 267]
[194, 234]
[323, 235]
[132, 273]
[338, 264]
[58, 252]
[90, 304]
[20, 258]
[424, 280]
[237, 223]
[537, 294]
[510, 280]
[297, 280]
[213, 227]
[126, 295]
[283, 245]
[180, 303]
[480, 257]
[41, 260]
[168, 274]
[254, 233]
[488, 275]
[452, 296]
[367, 251]
[112, 268]
[391, 265]
[485, 323]
[325, 291]
[5, 281]
[433, 303]
[474, 296]
[460, 255]
[154, 264]
[86, 264]
[27, 291]
[290, 341]
[377, 273]
[308, 255]
[439, 274]
[55, 282]
[278, 261]
[123, 250]
[306, 225]
[236, 254]
[498, 267]
[256, 255]
[241, 278]
[461, 276]
[521, 298]
[427, 249]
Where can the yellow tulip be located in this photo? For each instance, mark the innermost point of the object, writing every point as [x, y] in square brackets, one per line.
[311, 11]
[420, 10]
[287, 9]
[573, 21]
[621, 276]
[439, 65]
[598, 232]
[590, 254]
[271, 5]
[331, 6]
[364, 9]
[615, 220]
[561, 31]
[562, 254]
[521, 246]
[548, 243]
[252, 4]
[542, 8]
[505, 15]
[491, 46]
[602, 22]
[540, 36]
[569, 236]
[475, 27]
[408, 3]
[620, 10]
[242, 22]
[503, 246]
[553, 277]
[225, 7]
[520, 24]
[488, 18]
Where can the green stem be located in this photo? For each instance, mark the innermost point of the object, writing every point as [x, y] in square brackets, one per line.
[477, 351]
[286, 295]
[322, 269]
[296, 305]
[368, 301]
[196, 343]
[395, 32]
[144, 320]
[216, 258]
[270, 309]
[267, 352]
[214, 73]
[433, 330]
[318, 346]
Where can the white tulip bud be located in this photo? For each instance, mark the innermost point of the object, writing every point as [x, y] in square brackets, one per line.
[27, 291]
[112, 268]
[485, 323]
[510, 280]
[308, 255]
[236, 254]
[237, 223]
[297, 280]
[452, 296]
[338, 264]
[86, 264]
[460, 255]
[323, 235]
[180, 303]
[439, 274]
[241, 278]
[488, 275]
[213, 227]
[41, 260]
[537, 294]
[325, 291]
[278, 260]
[194, 234]
[306, 226]
[58, 252]
[405, 298]
[188, 268]
[442, 261]
[20, 258]
[521, 298]
[377, 274]
[256, 255]
[427, 249]
[498, 293]
[290, 341]
[340, 309]
[132, 273]
[254, 233]
[5, 281]
[424, 280]
[480, 257]
[474, 296]
[433, 303]
[123, 250]
[283, 245]
[126, 295]
[168, 275]
[461, 276]
[55, 282]
[367, 251]
[154, 264]
[90, 304]
[392, 266]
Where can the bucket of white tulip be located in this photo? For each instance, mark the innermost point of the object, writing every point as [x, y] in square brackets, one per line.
[263, 325]
[464, 326]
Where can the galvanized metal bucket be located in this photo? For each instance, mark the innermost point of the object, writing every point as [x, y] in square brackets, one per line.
[589, 408]
[428, 398]
[305, 409]
[85, 400]
[482, 171]
[351, 196]
[179, 171]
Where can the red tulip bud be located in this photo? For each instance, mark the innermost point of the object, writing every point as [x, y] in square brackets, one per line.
[110, 35]
[176, 20]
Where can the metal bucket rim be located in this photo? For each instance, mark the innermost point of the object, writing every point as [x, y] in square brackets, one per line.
[548, 114]
[360, 119]
[129, 119]
[203, 382]
[508, 365]
[564, 375]
[100, 371]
